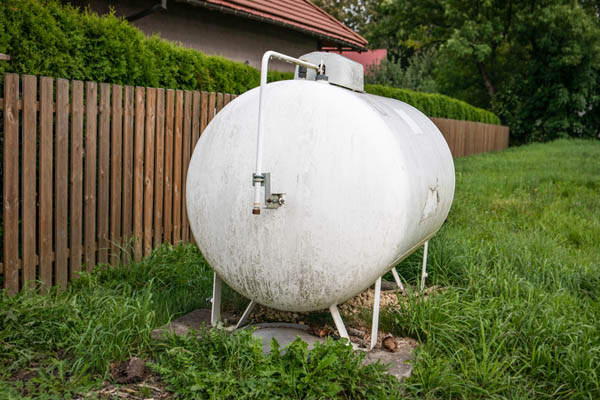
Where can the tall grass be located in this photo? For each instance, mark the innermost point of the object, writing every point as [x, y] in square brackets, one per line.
[67, 340]
[519, 316]
[520, 257]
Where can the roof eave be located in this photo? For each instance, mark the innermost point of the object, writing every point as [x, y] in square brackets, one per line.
[232, 11]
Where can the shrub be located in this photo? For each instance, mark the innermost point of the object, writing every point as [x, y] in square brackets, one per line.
[49, 38]
[436, 105]
[61, 41]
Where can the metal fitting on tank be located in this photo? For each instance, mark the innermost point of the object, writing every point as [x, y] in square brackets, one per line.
[321, 76]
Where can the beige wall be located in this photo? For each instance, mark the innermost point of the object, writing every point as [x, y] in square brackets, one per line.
[211, 32]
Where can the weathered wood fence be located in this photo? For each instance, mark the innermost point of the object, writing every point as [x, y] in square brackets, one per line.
[466, 138]
[88, 166]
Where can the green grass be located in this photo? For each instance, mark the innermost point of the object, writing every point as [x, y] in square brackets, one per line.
[519, 258]
[64, 342]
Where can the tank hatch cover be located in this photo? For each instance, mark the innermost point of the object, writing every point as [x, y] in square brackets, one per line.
[340, 70]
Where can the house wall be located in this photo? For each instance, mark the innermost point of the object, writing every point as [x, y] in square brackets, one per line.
[213, 33]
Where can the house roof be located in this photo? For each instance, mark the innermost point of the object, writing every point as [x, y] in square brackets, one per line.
[366, 58]
[301, 15]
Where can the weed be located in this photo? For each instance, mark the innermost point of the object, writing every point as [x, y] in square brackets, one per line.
[519, 258]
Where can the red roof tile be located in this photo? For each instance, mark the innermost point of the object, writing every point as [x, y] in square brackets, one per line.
[300, 15]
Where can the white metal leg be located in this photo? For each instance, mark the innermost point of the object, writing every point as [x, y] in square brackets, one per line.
[339, 323]
[375, 323]
[397, 279]
[424, 271]
[245, 315]
[215, 315]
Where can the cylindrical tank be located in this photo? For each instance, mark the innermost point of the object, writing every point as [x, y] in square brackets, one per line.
[367, 180]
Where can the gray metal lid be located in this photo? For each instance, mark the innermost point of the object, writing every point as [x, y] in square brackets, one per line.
[341, 70]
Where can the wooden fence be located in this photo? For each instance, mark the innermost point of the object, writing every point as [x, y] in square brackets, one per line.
[88, 166]
[466, 138]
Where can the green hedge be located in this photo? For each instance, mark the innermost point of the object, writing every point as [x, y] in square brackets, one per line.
[436, 105]
[52, 39]
[49, 38]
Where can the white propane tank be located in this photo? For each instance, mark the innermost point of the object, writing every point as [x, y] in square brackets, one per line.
[367, 180]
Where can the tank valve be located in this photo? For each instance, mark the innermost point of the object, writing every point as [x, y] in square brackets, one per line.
[272, 200]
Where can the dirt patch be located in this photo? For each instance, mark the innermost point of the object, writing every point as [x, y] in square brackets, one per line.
[149, 388]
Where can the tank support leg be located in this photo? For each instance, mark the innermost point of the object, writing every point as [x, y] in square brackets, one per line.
[245, 315]
[215, 314]
[397, 279]
[375, 323]
[424, 271]
[339, 323]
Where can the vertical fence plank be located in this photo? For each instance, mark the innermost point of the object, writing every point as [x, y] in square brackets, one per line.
[226, 99]
[219, 103]
[61, 177]
[138, 173]
[211, 105]
[177, 150]
[149, 168]
[195, 119]
[45, 181]
[103, 211]
[116, 172]
[76, 180]
[187, 142]
[203, 111]
[29, 139]
[127, 206]
[159, 166]
[91, 110]
[11, 183]
[168, 197]
[195, 137]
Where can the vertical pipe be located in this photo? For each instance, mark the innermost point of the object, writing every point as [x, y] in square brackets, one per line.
[424, 271]
[215, 314]
[261, 117]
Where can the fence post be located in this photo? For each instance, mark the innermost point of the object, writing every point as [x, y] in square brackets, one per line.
[11, 183]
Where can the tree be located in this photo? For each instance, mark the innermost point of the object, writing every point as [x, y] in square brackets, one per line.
[355, 14]
[536, 62]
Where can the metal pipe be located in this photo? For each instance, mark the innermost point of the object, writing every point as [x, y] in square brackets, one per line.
[424, 270]
[375, 322]
[261, 117]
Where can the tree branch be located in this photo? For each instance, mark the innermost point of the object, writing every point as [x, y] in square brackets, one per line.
[489, 85]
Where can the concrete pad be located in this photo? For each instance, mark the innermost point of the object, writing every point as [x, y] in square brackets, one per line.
[398, 361]
[194, 320]
[284, 334]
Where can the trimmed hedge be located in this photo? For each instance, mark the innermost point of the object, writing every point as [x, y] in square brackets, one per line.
[436, 105]
[53, 39]
[61, 41]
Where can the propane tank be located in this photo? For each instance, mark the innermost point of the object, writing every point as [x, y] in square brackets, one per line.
[352, 184]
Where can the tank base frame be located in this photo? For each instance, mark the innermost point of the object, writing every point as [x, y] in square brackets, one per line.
[215, 316]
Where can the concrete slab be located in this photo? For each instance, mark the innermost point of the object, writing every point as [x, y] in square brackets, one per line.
[397, 361]
[284, 334]
[194, 320]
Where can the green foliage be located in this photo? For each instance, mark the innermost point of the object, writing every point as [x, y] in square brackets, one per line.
[518, 314]
[57, 40]
[518, 256]
[416, 75]
[535, 64]
[225, 366]
[65, 338]
[436, 105]
[356, 14]
[65, 342]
